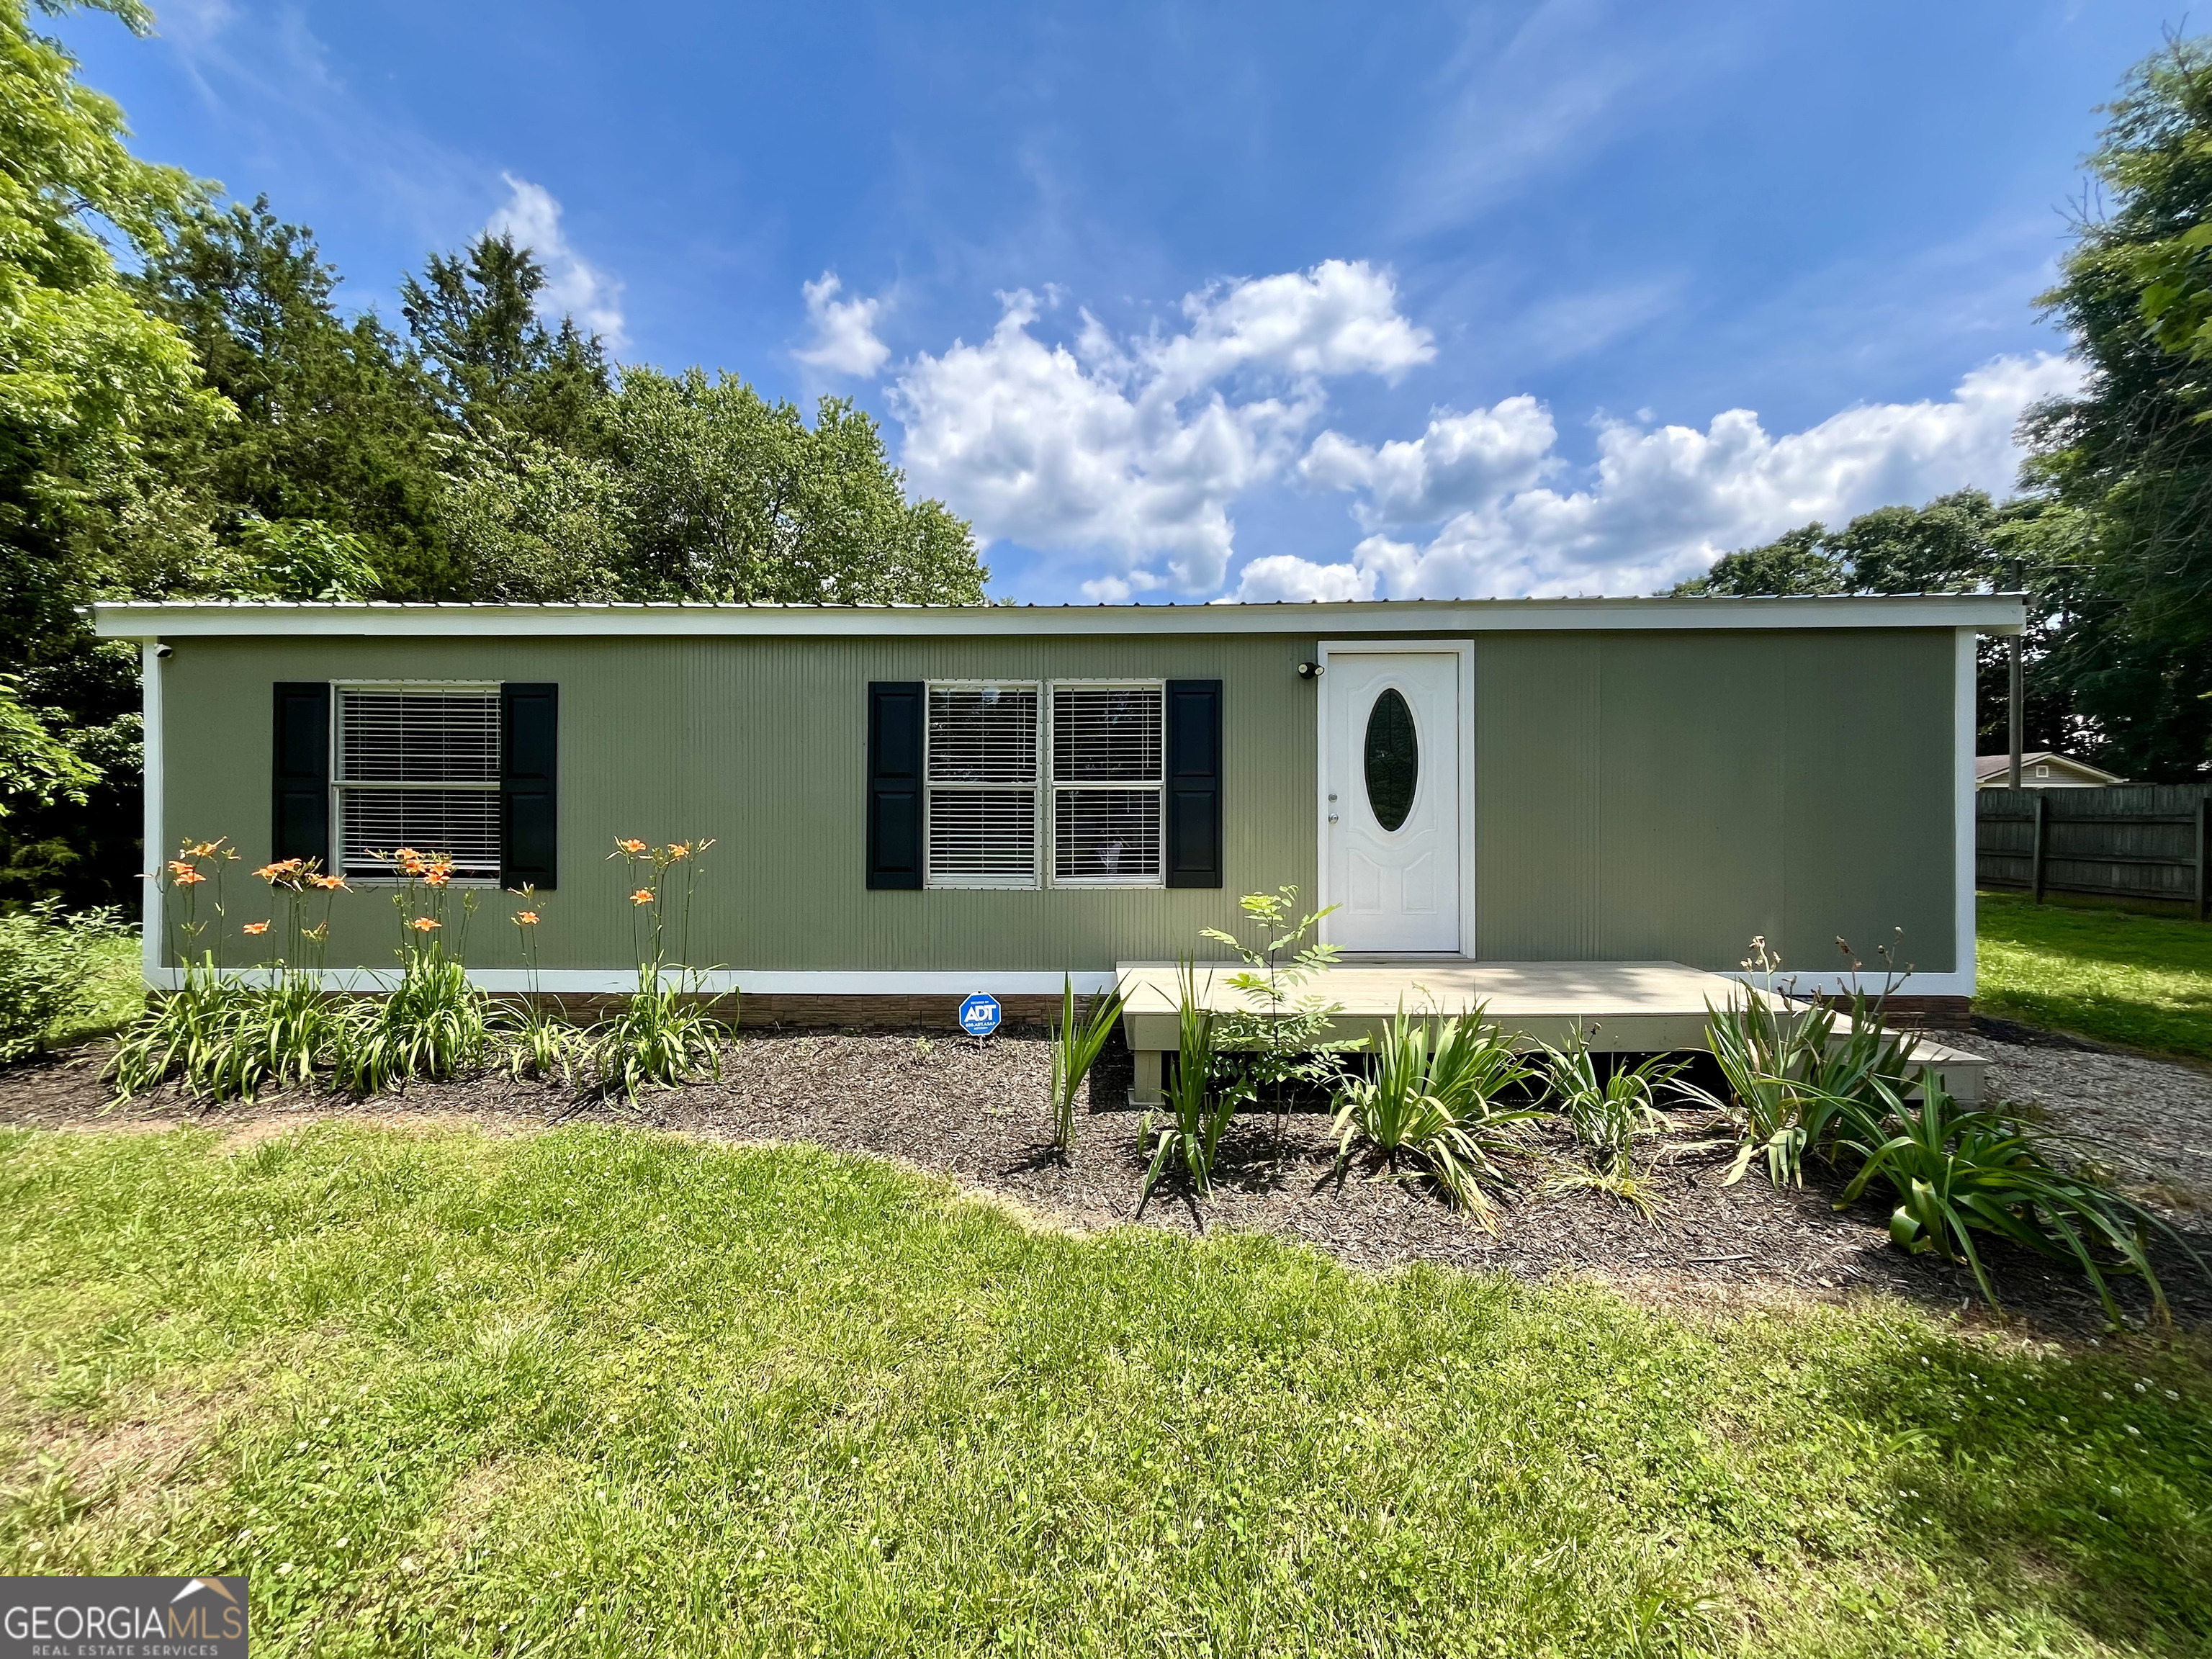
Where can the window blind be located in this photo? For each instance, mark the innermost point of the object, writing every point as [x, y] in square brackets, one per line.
[1107, 744]
[419, 768]
[982, 776]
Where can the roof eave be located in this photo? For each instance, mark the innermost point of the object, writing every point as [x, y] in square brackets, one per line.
[1991, 613]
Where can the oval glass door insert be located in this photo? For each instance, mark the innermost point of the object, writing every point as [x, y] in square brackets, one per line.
[1394, 760]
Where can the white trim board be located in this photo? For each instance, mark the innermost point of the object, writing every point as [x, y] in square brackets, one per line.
[154, 896]
[595, 981]
[835, 981]
[1995, 613]
[1963, 833]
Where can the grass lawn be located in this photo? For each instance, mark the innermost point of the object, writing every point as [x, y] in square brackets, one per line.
[2139, 982]
[603, 1391]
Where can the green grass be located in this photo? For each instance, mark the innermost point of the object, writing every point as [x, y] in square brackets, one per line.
[2139, 982]
[602, 1391]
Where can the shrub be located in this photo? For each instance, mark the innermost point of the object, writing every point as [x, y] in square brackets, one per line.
[1075, 1047]
[1433, 1092]
[662, 1037]
[1956, 1172]
[1199, 1112]
[1283, 1037]
[47, 965]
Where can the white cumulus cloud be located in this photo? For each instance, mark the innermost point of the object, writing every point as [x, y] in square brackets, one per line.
[1660, 503]
[1460, 461]
[574, 286]
[1137, 446]
[845, 340]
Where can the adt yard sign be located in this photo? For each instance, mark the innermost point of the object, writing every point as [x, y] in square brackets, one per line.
[980, 1015]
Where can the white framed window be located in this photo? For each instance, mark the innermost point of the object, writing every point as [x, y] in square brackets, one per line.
[980, 765]
[416, 765]
[1107, 743]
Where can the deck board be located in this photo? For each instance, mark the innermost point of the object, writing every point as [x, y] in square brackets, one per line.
[1621, 1007]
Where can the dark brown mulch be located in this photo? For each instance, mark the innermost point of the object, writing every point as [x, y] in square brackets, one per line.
[979, 1114]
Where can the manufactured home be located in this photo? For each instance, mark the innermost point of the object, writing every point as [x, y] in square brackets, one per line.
[911, 803]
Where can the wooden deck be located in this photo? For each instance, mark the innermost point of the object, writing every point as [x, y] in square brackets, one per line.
[1622, 1007]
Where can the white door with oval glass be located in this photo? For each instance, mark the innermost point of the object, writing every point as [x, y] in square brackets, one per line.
[1390, 817]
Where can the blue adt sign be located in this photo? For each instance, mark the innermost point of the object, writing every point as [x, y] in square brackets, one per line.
[980, 1015]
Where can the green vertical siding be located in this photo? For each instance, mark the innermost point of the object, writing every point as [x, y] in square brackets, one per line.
[1638, 795]
[1671, 795]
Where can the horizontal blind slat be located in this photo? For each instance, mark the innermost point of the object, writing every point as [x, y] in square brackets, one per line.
[1106, 835]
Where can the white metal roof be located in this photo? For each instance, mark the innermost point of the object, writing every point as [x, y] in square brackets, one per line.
[1992, 613]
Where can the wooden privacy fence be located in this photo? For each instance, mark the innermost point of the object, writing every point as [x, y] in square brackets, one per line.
[2131, 841]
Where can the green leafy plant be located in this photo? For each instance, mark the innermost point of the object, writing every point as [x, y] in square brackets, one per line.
[1793, 1082]
[1433, 1093]
[1075, 1046]
[1608, 1116]
[1957, 1171]
[191, 1032]
[1198, 1111]
[662, 1035]
[1282, 1037]
[47, 965]
[432, 1023]
[541, 1040]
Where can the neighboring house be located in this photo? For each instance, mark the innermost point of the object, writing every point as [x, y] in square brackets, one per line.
[916, 801]
[2041, 768]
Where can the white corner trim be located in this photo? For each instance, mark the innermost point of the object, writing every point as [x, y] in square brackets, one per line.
[1996, 613]
[1963, 834]
[596, 981]
[153, 896]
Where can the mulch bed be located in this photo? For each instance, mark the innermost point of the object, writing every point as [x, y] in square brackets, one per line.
[978, 1113]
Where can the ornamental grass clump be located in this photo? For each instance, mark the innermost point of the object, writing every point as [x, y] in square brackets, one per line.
[1957, 1171]
[288, 1027]
[1198, 1111]
[1794, 1085]
[541, 1042]
[434, 1024]
[189, 1032]
[661, 1036]
[1435, 1093]
[1075, 1046]
[1610, 1115]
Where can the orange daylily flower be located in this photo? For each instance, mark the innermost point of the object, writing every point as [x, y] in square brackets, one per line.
[256, 927]
[525, 918]
[423, 924]
[643, 896]
[632, 847]
[328, 884]
[187, 877]
[679, 849]
[437, 876]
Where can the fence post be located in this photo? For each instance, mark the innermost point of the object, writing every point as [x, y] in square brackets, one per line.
[2203, 803]
[2042, 840]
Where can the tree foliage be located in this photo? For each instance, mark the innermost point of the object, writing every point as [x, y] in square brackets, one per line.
[212, 423]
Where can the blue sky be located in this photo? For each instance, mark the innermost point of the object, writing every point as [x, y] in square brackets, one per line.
[1260, 301]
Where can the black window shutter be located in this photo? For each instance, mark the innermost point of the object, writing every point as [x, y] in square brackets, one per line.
[300, 821]
[1193, 783]
[529, 750]
[895, 715]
